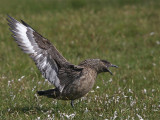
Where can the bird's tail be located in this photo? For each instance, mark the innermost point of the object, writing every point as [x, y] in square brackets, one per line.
[51, 93]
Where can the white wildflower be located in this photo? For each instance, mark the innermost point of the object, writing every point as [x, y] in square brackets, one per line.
[107, 96]
[129, 90]
[140, 117]
[154, 64]
[137, 109]
[3, 77]
[97, 87]
[145, 91]
[155, 110]
[132, 103]
[152, 33]
[21, 78]
[33, 88]
[72, 42]
[153, 90]
[71, 116]
[86, 110]
[133, 118]
[124, 95]
[158, 42]
[83, 98]
[9, 83]
[115, 115]
[39, 82]
[117, 99]
[13, 97]
[38, 118]
[36, 96]
[110, 80]
[92, 91]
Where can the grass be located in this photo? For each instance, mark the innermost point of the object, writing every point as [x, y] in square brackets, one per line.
[125, 32]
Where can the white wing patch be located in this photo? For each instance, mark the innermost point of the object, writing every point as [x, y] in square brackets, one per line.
[21, 31]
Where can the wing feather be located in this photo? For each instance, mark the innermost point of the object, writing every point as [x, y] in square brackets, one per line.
[39, 49]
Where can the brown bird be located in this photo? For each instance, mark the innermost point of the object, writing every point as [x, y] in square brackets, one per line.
[71, 81]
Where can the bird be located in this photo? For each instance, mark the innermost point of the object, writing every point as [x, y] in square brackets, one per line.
[70, 81]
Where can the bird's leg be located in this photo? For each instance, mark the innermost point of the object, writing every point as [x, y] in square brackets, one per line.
[72, 103]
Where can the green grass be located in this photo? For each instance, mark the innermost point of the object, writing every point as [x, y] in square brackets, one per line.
[124, 32]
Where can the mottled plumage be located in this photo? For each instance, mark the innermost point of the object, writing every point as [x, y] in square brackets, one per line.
[71, 81]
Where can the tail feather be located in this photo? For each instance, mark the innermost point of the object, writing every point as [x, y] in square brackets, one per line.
[51, 93]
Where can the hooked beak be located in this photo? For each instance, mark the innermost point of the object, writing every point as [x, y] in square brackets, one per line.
[112, 66]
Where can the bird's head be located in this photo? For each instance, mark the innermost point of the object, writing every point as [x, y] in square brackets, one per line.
[104, 66]
[99, 65]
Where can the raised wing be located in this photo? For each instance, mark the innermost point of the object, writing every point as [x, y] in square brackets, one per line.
[44, 54]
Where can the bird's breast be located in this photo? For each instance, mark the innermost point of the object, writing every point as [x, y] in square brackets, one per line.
[81, 85]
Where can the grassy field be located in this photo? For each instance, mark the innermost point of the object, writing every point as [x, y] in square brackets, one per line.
[124, 32]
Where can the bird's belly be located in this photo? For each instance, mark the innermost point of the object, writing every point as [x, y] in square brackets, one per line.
[78, 88]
